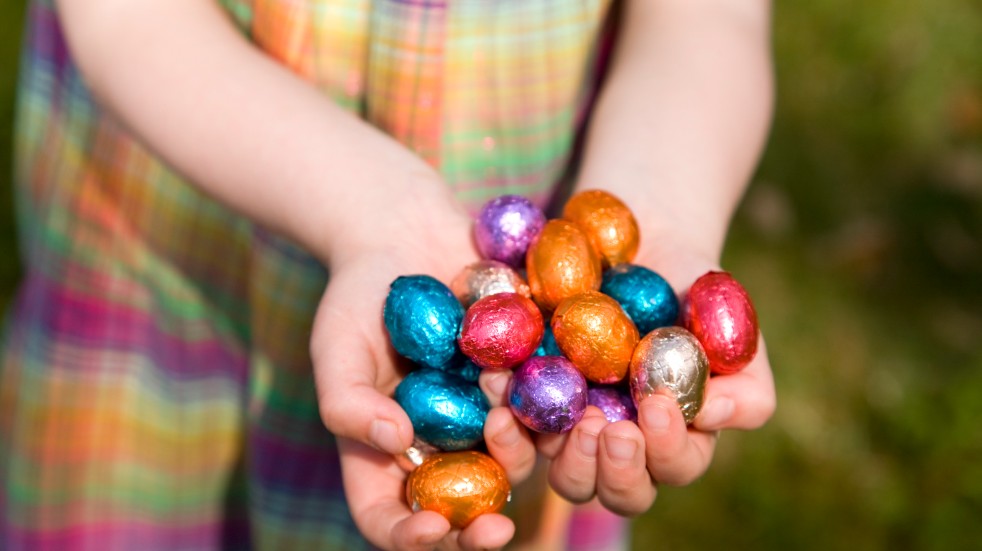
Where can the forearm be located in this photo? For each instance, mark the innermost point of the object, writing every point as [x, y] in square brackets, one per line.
[682, 119]
[236, 123]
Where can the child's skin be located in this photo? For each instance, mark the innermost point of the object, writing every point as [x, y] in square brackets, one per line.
[676, 134]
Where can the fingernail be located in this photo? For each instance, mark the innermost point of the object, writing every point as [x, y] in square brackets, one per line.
[655, 415]
[621, 450]
[717, 412]
[507, 437]
[498, 383]
[384, 435]
[587, 444]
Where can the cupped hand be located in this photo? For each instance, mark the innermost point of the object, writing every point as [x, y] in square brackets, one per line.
[356, 371]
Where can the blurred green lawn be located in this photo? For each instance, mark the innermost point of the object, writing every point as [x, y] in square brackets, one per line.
[861, 241]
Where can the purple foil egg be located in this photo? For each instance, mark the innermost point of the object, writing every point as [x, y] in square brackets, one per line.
[548, 394]
[615, 402]
[505, 228]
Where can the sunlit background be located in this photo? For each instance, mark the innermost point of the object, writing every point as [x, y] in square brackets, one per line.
[861, 241]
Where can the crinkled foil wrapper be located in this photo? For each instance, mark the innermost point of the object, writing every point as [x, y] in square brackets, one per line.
[460, 486]
[596, 335]
[422, 318]
[610, 225]
[719, 312]
[644, 295]
[671, 359]
[446, 411]
[485, 278]
[548, 394]
[561, 263]
[501, 331]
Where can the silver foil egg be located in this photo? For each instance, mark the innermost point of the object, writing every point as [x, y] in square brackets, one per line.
[671, 359]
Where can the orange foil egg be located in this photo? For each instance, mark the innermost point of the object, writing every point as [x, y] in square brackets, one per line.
[593, 331]
[561, 263]
[607, 222]
[459, 485]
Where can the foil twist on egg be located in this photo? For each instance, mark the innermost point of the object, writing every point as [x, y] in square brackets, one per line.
[548, 394]
[561, 263]
[487, 277]
[460, 486]
[422, 318]
[505, 228]
[671, 360]
[719, 312]
[596, 335]
[446, 411]
[644, 295]
[608, 223]
[500, 331]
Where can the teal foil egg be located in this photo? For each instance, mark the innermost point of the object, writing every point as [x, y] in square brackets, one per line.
[446, 411]
[644, 295]
[422, 317]
[548, 346]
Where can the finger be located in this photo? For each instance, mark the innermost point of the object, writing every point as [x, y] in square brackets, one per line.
[743, 400]
[674, 454]
[573, 473]
[494, 383]
[623, 483]
[509, 443]
[491, 531]
[374, 487]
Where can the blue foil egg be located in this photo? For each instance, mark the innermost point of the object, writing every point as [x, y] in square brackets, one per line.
[548, 346]
[446, 411]
[644, 295]
[422, 317]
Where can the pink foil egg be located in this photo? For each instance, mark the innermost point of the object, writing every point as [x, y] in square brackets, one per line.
[501, 331]
[719, 312]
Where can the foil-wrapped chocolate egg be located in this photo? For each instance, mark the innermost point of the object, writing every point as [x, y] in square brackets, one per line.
[670, 359]
[505, 228]
[596, 335]
[548, 394]
[461, 486]
[500, 331]
[561, 263]
[719, 312]
[446, 411]
[608, 223]
[487, 277]
[644, 295]
[614, 401]
[422, 317]
[548, 346]
[415, 455]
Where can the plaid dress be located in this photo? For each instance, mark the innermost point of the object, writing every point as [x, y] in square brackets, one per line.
[156, 390]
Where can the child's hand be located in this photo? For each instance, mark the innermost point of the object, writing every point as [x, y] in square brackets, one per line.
[622, 463]
[357, 370]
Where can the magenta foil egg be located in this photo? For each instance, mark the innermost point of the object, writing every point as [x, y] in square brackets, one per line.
[485, 278]
[548, 394]
[505, 228]
[501, 331]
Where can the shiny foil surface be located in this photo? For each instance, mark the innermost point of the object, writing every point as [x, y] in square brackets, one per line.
[614, 401]
[415, 455]
[548, 394]
[422, 318]
[671, 359]
[608, 223]
[548, 346]
[561, 263]
[505, 228]
[644, 295]
[719, 312]
[459, 485]
[487, 277]
[501, 331]
[446, 411]
[593, 331]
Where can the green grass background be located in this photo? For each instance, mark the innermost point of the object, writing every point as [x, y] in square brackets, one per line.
[861, 241]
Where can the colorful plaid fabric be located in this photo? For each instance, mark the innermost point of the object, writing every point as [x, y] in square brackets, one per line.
[155, 390]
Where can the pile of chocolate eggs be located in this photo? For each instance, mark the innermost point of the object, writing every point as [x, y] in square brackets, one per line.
[559, 303]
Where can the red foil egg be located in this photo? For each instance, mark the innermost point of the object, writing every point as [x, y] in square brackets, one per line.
[593, 331]
[561, 263]
[501, 331]
[607, 222]
[719, 312]
[459, 485]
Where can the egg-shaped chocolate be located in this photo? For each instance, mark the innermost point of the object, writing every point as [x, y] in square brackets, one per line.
[487, 277]
[500, 331]
[719, 312]
[548, 394]
[422, 318]
[644, 295]
[670, 359]
[445, 410]
[608, 223]
[561, 263]
[461, 486]
[593, 331]
[505, 228]
[614, 401]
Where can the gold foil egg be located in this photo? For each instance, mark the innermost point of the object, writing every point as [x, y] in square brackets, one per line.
[607, 222]
[459, 485]
[671, 359]
[593, 331]
[561, 263]
[487, 277]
